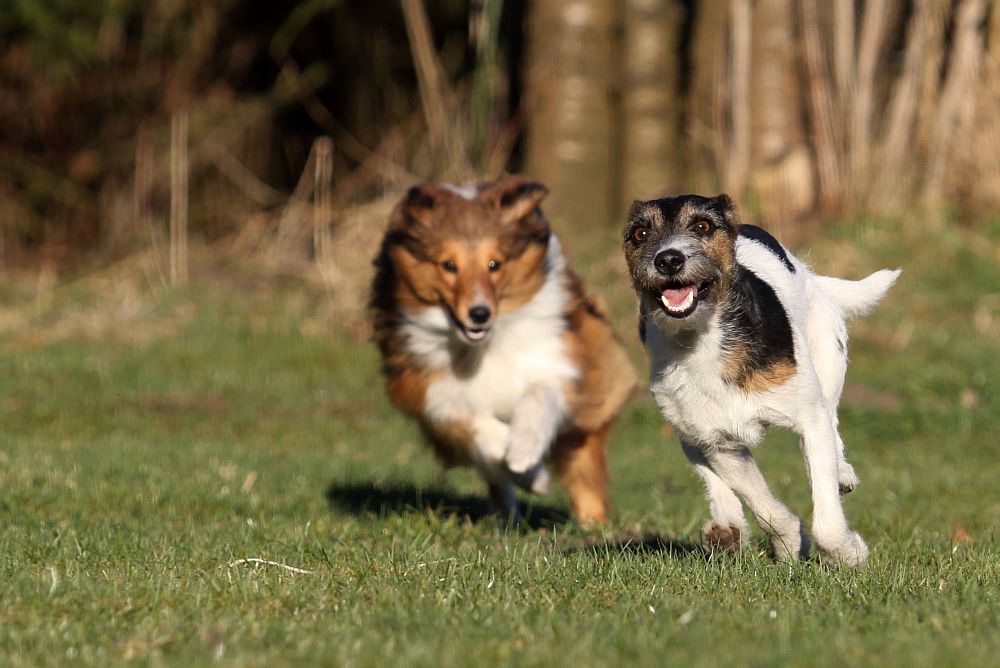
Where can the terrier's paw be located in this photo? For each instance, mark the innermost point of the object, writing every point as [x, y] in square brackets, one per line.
[722, 537]
[850, 550]
[791, 546]
[847, 479]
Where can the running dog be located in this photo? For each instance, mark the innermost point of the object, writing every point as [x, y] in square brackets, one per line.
[490, 342]
[740, 335]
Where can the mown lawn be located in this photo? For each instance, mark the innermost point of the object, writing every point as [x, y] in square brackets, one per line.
[140, 461]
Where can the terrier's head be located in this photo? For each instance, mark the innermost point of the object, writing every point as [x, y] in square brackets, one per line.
[681, 252]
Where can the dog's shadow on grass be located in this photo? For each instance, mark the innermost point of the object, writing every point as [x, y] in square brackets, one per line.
[381, 499]
[365, 498]
[633, 542]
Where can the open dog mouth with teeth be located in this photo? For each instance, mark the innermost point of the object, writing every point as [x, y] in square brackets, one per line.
[470, 333]
[680, 301]
[473, 334]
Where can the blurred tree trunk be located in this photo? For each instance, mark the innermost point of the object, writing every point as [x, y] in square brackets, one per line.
[871, 42]
[892, 181]
[984, 145]
[650, 99]
[569, 70]
[825, 130]
[781, 164]
[707, 95]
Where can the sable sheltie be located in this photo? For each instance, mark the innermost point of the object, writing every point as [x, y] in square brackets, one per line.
[490, 342]
[742, 334]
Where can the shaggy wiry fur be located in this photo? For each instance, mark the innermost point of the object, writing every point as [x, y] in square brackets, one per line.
[489, 340]
[741, 334]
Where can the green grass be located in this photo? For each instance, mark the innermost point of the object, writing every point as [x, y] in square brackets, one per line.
[216, 424]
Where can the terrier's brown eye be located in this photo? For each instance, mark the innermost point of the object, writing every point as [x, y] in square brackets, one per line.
[494, 265]
[640, 234]
[449, 266]
[703, 227]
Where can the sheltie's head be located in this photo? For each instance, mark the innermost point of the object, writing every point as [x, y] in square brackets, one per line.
[477, 252]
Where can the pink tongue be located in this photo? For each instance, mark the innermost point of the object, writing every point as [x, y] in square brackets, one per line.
[676, 296]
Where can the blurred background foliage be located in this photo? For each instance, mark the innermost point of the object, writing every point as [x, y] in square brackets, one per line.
[284, 131]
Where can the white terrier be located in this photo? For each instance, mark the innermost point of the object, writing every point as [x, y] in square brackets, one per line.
[741, 335]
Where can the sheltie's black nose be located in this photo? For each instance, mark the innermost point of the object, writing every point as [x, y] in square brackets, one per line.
[668, 261]
[480, 314]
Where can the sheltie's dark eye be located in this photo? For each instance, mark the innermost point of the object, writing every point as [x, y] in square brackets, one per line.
[494, 265]
[449, 266]
[639, 234]
[702, 226]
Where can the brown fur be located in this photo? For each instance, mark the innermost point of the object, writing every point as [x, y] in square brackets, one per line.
[582, 466]
[433, 225]
[736, 370]
[720, 538]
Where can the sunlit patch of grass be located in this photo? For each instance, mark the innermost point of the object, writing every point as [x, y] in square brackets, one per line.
[134, 472]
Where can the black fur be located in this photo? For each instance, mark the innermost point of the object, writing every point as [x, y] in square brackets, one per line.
[761, 236]
[753, 317]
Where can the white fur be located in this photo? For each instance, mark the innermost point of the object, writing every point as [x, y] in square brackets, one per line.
[719, 422]
[465, 192]
[510, 389]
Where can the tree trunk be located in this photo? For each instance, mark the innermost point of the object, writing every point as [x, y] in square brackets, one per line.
[958, 97]
[651, 161]
[781, 165]
[569, 73]
[707, 127]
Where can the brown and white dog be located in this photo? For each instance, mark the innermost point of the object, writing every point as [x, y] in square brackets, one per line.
[490, 342]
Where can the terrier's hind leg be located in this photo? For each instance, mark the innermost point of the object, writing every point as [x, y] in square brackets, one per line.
[832, 534]
[847, 479]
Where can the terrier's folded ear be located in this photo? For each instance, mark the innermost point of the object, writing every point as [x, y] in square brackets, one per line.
[724, 205]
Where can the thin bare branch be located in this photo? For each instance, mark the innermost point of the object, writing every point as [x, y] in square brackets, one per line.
[959, 91]
[821, 108]
[430, 74]
[179, 177]
[900, 139]
[843, 50]
[268, 562]
[873, 35]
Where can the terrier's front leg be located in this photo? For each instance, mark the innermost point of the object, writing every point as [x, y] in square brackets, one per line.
[727, 530]
[533, 427]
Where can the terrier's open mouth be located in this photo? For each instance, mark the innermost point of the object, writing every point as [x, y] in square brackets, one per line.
[680, 301]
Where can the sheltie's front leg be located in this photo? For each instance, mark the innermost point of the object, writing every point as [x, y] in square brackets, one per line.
[491, 437]
[533, 428]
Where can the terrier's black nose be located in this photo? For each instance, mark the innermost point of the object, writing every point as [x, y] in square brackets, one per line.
[669, 261]
[480, 314]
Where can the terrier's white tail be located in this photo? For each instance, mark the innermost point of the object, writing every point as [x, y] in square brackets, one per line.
[859, 297]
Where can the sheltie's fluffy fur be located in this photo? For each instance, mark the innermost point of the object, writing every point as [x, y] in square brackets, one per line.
[489, 341]
[741, 334]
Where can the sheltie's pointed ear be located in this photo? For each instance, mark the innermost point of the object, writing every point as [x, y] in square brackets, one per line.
[517, 197]
[417, 207]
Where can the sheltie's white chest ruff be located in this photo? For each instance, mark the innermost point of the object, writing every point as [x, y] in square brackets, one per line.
[525, 348]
